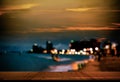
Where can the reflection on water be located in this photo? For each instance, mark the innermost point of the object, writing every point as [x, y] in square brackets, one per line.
[39, 62]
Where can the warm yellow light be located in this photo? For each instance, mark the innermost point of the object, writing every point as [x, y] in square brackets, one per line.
[79, 9]
[75, 66]
[84, 53]
[63, 51]
[96, 48]
[91, 49]
[27, 6]
[114, 45]
[55, 51]
[107, 47]
[23, 6]
[45, 51]
[60, 52]
[76, 52]
[84, 49]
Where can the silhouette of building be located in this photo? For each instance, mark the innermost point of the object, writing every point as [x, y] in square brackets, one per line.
[49, 46]
[79, 45]
[86, 45]
[37, 49]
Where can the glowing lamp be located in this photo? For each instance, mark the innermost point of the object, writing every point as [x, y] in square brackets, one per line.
[96, 48]
[31, 50]
[84, 49]
[35, 44]
[114, 45]
[72, 41]
[45, 51]
[91, 49]
[49, 42]
[107, 47]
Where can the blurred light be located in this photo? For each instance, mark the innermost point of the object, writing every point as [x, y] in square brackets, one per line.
[45, 51]
[70, 45]
[84, 53]
[114, 45]
[91, 52]
[81, 52]
[67, 51]
[70, 53]
[91, 49]
[96, 48]
[76, 52]
[49, 42]
[31, 50]
[84, 49]
[72, 50]
[107, 47]
[60, 53]
[87, 53]
[54, 51]
[63, 50]
[72, 41]
[35, 44]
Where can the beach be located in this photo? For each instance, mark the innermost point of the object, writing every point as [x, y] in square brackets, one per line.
[106, 69]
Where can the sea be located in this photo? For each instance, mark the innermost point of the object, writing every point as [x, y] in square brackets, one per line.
[30, 62]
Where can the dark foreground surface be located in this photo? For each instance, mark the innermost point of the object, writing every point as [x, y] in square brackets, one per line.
[106, 69]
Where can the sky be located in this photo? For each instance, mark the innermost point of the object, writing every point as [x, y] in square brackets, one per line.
[57, 18]
[58, 15]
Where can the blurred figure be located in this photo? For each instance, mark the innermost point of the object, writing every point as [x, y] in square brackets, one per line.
[114, 49]
[54, 55]
[113, 52]
[99, 56]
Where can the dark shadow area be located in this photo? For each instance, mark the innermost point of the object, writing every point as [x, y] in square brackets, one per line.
[110, 64]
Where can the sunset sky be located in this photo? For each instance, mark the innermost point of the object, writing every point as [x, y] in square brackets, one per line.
[58, 15]
[45, 17]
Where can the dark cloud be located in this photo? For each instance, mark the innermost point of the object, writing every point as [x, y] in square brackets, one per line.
[115, 4]
[105, 4]
[2, 3]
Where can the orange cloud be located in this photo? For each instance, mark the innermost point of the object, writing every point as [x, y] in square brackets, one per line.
[118, 24]
[5, 9]
[63, 29]
[97, 9]
[91, 28]
[17, 7]
[47, 30]
[79, 9]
